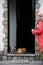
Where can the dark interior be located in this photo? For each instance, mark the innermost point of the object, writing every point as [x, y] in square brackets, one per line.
[25, 21]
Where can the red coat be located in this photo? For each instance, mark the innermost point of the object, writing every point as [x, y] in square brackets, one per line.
[39, 33]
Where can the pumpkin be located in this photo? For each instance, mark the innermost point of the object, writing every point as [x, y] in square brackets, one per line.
[20, 50]
[24, 50]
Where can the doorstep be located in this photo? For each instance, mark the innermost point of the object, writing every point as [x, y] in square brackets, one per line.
[22, 56]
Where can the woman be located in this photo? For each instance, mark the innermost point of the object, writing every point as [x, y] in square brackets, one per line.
[39, 32]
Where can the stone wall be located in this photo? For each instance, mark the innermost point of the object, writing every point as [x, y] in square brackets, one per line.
[37, 10]
[5, 30]
[5, 24]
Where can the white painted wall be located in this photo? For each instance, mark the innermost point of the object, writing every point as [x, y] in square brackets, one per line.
[41, 8]
[1, 27]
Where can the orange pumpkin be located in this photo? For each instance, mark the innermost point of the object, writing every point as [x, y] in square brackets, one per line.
[20, 51]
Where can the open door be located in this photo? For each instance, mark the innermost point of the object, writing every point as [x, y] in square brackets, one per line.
[21, 21]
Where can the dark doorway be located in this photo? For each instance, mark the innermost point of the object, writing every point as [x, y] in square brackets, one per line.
[25, 21]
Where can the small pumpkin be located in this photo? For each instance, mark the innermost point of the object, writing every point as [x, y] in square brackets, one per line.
[20, 50]
[24, 50]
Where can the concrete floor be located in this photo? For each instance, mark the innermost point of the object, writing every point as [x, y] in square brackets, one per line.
[30, 63]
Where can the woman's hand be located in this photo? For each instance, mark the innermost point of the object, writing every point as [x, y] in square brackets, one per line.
[32, 31]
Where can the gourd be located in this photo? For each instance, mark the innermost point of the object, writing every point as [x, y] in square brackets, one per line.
[20, 50]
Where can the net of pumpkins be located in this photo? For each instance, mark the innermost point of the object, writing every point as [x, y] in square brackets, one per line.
[21, 50]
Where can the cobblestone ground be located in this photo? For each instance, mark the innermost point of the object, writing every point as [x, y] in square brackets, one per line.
[30, 63]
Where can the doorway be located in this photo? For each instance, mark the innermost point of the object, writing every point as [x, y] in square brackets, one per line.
[21, 21]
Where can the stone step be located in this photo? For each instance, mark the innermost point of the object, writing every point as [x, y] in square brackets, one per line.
[22, 56]
[31, 63]
[20, 62]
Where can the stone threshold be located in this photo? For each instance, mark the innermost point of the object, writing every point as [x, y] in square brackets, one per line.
[22, 57]
[18, 55]
[25, 55]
